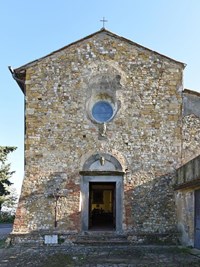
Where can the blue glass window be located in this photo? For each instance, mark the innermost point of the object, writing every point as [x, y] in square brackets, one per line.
[102, 111]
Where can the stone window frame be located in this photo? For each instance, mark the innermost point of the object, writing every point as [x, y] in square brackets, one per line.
[105, 97]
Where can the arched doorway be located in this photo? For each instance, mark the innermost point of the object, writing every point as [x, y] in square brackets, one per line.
[102, 193]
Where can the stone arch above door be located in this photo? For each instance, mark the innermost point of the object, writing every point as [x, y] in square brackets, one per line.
[102, 162]
[113, 157]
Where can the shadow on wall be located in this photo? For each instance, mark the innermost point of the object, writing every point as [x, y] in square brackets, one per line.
[150, 206]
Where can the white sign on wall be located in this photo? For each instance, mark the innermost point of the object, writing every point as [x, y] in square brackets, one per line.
[51, 239]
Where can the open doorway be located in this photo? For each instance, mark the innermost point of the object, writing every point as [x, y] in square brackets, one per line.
[102, 206]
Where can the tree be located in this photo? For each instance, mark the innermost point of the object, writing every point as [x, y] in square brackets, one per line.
[11, 200]
[5, 173]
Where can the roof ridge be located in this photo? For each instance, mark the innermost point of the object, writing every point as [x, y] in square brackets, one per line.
[191, 92]
[102, 30]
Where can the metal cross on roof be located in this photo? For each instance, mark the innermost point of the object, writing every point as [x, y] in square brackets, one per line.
[103, 20]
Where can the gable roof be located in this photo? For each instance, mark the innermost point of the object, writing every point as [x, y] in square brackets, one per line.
[191, 92]
[18, 73]
[191, 103]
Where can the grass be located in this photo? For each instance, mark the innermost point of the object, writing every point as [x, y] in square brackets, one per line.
[180, 250]
[63, 260]
[2, 243]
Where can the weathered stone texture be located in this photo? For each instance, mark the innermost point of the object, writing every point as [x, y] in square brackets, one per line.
[188, 173]
[185, 216]
[191, 103]
[145, 88]
[191, 137]
[188, 181]
[154, 202]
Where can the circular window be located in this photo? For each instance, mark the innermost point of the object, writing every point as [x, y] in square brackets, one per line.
[102, 111]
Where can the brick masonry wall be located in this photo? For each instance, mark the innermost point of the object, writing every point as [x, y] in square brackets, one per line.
[145, 133]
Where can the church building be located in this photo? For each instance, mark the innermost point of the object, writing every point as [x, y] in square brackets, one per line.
[111, 146]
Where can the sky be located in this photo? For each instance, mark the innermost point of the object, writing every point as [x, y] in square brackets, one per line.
[32, 29]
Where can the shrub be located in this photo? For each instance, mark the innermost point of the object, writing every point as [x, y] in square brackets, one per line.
[6, 217]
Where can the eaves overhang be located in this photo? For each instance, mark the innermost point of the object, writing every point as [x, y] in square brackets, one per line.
[19, 78]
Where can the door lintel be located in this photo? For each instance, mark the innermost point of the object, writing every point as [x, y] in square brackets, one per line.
[100, 173]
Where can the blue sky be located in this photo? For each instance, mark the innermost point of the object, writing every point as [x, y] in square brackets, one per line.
[32, 29]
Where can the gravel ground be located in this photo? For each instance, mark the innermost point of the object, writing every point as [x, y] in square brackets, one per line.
[104, 256]
[95, 256]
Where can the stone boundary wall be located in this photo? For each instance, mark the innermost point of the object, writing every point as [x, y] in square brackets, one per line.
[189, 174]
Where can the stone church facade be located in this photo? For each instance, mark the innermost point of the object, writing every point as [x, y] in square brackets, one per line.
[106, 128]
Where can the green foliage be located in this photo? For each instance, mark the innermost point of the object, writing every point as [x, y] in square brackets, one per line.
[60, 240]
[5, 173]
[6, 217]
[10, 201]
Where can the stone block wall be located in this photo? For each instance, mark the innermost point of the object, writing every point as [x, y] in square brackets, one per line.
[146, 132]
[185, 216]
[191, 137]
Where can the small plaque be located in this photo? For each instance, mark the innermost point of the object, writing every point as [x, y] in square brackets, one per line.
[51, 239]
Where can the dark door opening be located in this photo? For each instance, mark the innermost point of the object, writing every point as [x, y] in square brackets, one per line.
[102, 206]
[197, 220]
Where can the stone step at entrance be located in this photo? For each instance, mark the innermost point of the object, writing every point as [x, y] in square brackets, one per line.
[102, 238]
